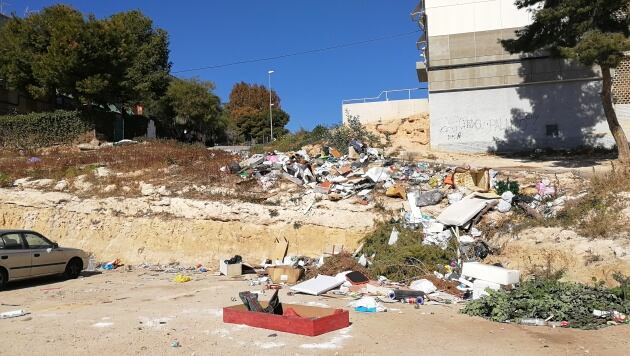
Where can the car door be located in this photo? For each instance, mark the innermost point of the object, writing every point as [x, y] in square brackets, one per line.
[45, 258]
[14, 256]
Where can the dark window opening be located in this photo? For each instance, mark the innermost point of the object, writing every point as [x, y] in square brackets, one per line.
[552, 131]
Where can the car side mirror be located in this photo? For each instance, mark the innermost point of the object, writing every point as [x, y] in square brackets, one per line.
[55, 245]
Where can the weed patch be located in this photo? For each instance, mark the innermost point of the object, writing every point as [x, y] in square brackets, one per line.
[408, 258]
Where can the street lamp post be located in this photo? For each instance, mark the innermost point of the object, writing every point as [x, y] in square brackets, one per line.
[270, 104]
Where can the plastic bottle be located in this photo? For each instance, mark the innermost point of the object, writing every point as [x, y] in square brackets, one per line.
[533, 321]
[91, 264]
[411, 300]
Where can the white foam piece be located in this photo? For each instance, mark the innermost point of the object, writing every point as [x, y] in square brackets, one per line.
[463, 211]
[490, 273]
[480, 286]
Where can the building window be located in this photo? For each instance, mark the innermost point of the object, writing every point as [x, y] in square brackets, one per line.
[552, 130]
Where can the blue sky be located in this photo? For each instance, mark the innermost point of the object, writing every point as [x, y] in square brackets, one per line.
[311, 87]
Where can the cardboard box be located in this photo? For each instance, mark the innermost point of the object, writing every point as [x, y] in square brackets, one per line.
[232, 270]
[284, 274]
[312, 321]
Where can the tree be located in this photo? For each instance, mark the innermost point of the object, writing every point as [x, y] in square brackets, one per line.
[593, 32]
[138, 55]
[249, 111]
[121, 60]
[196, 107]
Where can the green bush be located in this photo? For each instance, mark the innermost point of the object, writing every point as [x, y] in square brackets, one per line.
[41, 129]
[560, 301]
[340, 136]
[406, 260]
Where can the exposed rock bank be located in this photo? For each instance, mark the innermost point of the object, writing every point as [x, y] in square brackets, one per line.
[190, 231]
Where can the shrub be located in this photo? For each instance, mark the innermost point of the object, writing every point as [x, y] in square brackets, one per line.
[41, 129]
[340, 136]
[406, 260]
[549, 298]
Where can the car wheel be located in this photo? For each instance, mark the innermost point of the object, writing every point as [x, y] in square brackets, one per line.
[3, 278]
[73, 269]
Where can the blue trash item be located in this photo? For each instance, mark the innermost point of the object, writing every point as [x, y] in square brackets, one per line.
[365, 310]
[108, 266]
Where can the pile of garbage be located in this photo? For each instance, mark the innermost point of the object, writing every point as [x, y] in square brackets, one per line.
[554, 303]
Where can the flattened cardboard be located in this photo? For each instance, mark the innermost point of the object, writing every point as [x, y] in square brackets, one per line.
[279, 250]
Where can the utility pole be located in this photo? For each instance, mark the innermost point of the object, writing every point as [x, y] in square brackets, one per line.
[270, 105]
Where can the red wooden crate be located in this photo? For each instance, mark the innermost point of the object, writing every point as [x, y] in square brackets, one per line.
[312, 321]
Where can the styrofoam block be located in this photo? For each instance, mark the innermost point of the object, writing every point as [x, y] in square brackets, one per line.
[490, 273]
[479, 288]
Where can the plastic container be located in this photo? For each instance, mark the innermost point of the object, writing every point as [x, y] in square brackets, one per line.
[533, 322]
[402, 294]
[91, 267]
[411, 300]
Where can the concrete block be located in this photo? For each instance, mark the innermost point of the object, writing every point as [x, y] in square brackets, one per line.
[438, 62]
[439, 75]
[489, 81]
[464, 73]
[439, 46]
[489, 273]
[463, 83]
[462, 45]
[440, 85]
[487, 43]
[463, 60]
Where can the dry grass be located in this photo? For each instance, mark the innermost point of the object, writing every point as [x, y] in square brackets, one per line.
[168, 163]
[337, 264]
[599, 212]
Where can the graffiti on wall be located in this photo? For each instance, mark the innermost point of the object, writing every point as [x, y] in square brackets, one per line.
[459, 129]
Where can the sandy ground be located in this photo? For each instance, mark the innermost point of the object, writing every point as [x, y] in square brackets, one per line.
[142, 313]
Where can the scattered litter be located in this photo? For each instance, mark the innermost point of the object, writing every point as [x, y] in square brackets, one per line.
[423, 285]
[180, 278]
[367, 305]
[13, 314]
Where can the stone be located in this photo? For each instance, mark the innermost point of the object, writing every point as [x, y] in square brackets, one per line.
[102, 172]
[81, 185]
[147, 189]
[20, 182]
[61, 185]
[163, 191]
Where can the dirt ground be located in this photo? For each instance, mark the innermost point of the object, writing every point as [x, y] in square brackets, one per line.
[142, 313]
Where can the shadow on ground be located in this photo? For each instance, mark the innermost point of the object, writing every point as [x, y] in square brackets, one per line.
[47, 282]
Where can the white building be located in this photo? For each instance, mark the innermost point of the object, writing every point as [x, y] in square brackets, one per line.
[482, 98]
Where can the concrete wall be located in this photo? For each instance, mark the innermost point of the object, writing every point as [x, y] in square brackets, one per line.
[519, 118]
[447, 17]
[385, 110]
